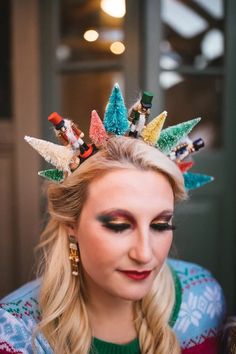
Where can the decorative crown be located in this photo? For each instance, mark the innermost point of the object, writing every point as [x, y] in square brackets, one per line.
[172, 141]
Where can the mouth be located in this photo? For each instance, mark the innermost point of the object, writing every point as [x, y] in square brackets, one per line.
[135, 275]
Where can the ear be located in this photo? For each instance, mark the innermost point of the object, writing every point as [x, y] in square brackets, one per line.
[71, 230]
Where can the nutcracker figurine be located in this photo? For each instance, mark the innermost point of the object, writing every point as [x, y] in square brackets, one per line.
[139, 114]
[68, 133]
[185, 149]
[71, 136]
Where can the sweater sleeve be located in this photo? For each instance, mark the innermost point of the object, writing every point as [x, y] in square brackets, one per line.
[19, 315]
[202, 309]
[15, 336]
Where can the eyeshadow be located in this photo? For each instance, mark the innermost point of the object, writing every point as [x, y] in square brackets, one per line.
[116, 216]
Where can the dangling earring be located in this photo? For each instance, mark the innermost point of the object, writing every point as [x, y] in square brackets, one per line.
[74, 255]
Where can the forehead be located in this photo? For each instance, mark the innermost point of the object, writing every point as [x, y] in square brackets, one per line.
[130, 188]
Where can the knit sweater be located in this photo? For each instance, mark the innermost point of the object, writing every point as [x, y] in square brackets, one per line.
[196, 317]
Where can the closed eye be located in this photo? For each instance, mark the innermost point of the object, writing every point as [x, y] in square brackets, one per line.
[162, 226]
[117, 227]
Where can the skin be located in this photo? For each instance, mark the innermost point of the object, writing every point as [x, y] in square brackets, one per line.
[136, 200]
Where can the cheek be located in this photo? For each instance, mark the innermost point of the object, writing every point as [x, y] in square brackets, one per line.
[92, 250]
[162, 246]
[96, 248]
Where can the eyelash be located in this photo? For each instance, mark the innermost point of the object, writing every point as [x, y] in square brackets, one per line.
[161, 227]
[117, 227]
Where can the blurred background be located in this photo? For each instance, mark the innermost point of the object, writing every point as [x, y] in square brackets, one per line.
[65, 56]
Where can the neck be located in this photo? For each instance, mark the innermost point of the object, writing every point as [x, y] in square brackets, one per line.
[103, 303]
[111, 318]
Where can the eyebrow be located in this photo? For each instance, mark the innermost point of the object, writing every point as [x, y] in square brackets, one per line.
[166, 214]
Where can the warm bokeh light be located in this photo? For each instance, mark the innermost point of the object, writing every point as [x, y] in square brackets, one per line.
[117, 48]
[114, 8]
[91, 35]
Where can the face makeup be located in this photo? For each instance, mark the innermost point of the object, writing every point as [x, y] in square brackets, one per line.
[121, 220]
[124, 233]
[117, 220]
[135, 275]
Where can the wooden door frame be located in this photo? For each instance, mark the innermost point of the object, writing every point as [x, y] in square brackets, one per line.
[26, 121]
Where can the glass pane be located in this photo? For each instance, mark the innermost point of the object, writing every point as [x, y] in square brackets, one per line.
[191, 96]
[193, 33]
[5, 60]
[83, 92]
[87, 32]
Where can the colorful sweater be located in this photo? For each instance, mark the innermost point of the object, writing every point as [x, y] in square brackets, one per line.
[196, 318]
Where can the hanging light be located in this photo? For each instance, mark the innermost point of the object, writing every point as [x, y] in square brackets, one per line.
[117, 48]
[114, 8]
[91, 35]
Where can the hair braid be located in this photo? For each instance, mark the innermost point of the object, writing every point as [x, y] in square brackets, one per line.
[152, 315]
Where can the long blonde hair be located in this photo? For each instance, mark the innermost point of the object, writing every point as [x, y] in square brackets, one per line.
[62, 300]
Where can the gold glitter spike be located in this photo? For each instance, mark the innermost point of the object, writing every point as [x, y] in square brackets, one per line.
[152, 131]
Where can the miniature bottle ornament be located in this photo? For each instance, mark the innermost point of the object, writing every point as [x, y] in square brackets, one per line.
[97, 132]
[57, 155]
[172, 141]
[171, 136]
[196, 180]
[152, 131]
[53, 175]
[115, 119]
[185, 165]
[139, 114]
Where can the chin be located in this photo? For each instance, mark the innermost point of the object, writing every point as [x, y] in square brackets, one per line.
[134, 295]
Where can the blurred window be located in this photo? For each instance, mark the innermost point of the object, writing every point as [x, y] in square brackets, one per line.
[192, 63]
[89, 55]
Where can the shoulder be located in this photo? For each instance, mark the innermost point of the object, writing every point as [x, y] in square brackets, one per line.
[23, 302]
[19, 315]
[202, 305]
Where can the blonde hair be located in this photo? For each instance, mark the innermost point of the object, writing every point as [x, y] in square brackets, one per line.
[62, 301]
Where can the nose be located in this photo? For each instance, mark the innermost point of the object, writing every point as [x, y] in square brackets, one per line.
[141, 248]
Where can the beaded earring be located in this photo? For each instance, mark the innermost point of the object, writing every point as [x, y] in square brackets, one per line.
[74, 255]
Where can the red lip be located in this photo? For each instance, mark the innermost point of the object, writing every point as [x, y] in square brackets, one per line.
[132, 274]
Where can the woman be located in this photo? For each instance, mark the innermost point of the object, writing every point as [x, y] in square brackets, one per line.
[106, 284]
